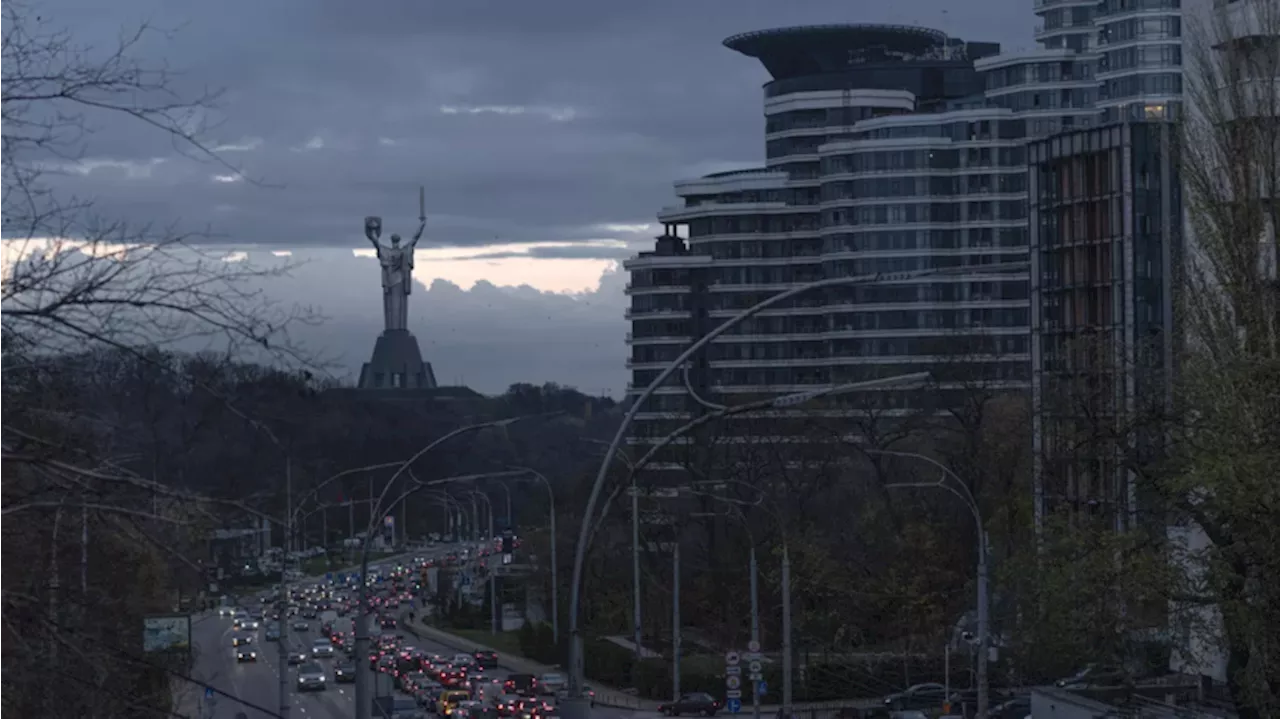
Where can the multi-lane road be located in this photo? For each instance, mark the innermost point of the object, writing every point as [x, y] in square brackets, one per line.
[254, 687]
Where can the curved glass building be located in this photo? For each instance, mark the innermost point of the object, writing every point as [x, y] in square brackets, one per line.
[881, 154]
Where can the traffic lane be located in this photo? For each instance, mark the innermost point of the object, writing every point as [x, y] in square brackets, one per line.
[311, 704]
[246, 682]
[335, 700]
[501, 672]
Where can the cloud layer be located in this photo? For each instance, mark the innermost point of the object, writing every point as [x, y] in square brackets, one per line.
[525, 122]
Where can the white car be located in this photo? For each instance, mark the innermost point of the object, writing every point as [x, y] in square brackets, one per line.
[463, 660]
[322, 648]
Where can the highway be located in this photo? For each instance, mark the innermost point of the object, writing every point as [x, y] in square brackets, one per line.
[255, 686]
[258, 683]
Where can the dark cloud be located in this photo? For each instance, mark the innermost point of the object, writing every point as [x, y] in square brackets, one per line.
[526, 122]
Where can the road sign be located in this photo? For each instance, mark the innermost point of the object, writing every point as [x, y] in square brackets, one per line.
[753, 646]
[732, 658]
[755, 676]
[735, 669]
[762, 688]
[733, 705]
[755, 665]
[733, 694]
[733, 681]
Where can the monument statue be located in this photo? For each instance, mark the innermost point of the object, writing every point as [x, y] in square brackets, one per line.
[397, 268]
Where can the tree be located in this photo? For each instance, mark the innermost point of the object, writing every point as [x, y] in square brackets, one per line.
[1221, 481]
[87, 300]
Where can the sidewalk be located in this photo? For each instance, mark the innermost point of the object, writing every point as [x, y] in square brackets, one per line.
[605, 696]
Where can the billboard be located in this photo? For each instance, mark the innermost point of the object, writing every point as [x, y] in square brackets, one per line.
[167, 632]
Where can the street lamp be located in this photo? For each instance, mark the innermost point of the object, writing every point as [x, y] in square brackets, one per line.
[754, 570]
[984, 551]
[363, 698]
[575, 706]
[493, 574]
[555, 580]
[637, 629]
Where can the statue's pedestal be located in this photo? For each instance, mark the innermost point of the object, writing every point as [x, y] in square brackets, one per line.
[397, 364]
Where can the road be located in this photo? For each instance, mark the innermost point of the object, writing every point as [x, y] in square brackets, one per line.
[254, 687]
[257, 684]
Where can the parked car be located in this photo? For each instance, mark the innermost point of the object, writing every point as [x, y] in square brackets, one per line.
[917, 696]
[691, 703]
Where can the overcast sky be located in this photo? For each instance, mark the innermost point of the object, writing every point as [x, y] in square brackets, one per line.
[547, 134]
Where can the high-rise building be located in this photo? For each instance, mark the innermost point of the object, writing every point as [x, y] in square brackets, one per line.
[1106, 241]
[881, 155]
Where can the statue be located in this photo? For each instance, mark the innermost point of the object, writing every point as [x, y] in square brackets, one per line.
[397, 268]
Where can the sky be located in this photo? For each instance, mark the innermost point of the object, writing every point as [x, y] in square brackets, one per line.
[546, 134]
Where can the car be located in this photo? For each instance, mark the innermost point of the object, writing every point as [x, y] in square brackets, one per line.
[344, 672]
[272, 634]
[297, 658]
[550, 684]
[226, 611]
[311, 677]
[301, 625]
[246, 654]
[917, 696]
[238, 640]
[486, 659]
[691, 703]
[522, 684]
[450, 699]
[322, 648]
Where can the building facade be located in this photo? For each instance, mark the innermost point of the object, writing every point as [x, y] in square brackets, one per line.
[880, 156]
[1105, 216]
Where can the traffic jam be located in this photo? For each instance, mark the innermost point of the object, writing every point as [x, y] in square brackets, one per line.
[458, 686]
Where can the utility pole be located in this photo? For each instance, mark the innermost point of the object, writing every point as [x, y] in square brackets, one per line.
[984, 629]
[493, 580]
[675, 621]
[786, 633]
[755, 629]
[84, 554]
[638, 634]
[284, 589]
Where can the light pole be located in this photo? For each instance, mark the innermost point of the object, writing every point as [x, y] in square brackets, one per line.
[507, 491]
[493, 572]
[575, 707]
[984, 550]
[363, 692]
[754, 574]
[637, 628]
[555, 563]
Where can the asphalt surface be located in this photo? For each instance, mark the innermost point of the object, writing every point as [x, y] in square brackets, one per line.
[254, 687]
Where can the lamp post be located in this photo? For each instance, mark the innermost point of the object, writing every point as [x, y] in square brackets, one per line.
[493, 573]
[507, 490]
[637, 627]
[984, 550]
[575, 708]
[363, 690]
[555, 563]
[754, 574]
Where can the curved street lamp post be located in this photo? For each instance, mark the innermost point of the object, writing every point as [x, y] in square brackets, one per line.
[363, 692]
[984, 551]
[575, 707]
[555, 580]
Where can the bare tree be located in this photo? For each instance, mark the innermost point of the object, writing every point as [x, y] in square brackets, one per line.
[77, 284]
